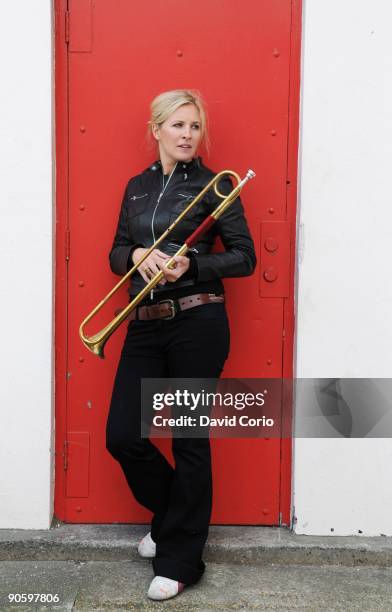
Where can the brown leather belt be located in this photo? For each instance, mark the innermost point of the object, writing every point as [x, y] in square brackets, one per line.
[167, 309]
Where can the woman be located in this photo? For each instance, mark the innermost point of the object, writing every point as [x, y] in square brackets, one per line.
[181, 330]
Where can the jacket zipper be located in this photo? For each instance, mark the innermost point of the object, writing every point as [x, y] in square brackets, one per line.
[155, 209]
[135, 197]
[159, 199]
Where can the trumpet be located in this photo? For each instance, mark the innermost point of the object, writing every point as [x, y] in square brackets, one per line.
[96, 343]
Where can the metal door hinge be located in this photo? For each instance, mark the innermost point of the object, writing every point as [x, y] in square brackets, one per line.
[65, 455]
[67, 27]
[67, 244]
[79, 26]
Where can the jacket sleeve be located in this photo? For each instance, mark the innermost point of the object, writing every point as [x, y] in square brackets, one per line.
[239, 258]
[123, 247]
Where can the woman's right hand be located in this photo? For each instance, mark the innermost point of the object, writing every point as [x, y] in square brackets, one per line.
[151, 265]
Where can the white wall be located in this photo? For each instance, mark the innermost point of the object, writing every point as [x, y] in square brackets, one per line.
[26, 259]
[344, 291]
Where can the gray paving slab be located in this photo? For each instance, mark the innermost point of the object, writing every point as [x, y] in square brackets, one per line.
[122, 585]
[240, 544]
[44, 578]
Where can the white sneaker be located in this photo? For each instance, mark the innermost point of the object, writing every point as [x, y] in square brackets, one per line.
[147, 546]
[164, 588]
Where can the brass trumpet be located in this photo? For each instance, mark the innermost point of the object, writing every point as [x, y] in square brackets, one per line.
[96, 343]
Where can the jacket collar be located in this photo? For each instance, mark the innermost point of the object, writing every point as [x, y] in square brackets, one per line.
[181, 166]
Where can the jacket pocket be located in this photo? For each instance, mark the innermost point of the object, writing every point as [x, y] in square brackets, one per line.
[186, 196]
[182, 200]
[137, 204]
[172, 247]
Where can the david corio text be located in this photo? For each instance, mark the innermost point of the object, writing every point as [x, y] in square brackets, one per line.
[206, 421]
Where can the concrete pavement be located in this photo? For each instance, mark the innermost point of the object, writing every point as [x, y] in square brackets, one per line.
[96, 567]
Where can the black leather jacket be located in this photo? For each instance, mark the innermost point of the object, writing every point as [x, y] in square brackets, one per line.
[144, 216]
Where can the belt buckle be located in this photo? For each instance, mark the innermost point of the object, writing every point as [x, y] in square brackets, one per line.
[172, 306]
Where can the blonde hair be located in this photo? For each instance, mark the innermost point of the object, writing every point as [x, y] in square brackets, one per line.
[168, 102]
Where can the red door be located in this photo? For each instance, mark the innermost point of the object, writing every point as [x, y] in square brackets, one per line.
[111, 60]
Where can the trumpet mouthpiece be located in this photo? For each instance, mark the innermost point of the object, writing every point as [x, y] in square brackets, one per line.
[250, 174]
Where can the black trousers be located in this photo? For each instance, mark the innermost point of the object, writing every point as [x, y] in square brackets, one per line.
[194, 344]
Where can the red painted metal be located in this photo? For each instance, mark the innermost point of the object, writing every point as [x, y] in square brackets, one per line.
[78, 463]
[274, 259]
[249, 74]
[80, 34]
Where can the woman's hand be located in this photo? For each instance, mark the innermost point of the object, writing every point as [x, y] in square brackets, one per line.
[155, 263]
[180, 267]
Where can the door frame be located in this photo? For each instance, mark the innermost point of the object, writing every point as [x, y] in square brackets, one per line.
[62, 248]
